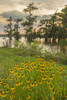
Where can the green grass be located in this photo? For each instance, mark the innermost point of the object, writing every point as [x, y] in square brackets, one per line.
[11, 56]
[33, 69]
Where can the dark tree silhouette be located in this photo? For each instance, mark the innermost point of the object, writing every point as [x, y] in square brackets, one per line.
[29, 22]
[16, 33]
[8, 28]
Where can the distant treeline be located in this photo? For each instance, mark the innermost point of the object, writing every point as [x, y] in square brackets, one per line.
[5, 35]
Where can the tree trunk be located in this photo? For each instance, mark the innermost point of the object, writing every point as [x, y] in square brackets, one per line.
[54, 40]
[46, 40]
[9, 42]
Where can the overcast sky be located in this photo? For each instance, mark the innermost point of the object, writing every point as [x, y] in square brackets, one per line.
[44, 6]
[15, 8]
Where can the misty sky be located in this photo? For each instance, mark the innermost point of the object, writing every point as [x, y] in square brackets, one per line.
[15, 8]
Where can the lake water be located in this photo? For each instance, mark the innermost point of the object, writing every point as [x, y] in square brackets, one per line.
[49, 48]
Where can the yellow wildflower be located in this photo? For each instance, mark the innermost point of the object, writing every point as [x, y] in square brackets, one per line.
[51, 87]
[28, 97]
[23, 75]
[6, 79]
[11, 71]
[32, 85]
[12, 88]
[4, 95]
[28, 87]
[28, 81]
[53, 98]
[23, 88]
[48, 82]
[50, 78]
[40, 82]
[0, 82]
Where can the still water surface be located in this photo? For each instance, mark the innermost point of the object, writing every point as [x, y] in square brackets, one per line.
[49, 48]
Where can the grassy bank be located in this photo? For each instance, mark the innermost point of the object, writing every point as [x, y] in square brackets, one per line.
[11, 56]
[31, 77]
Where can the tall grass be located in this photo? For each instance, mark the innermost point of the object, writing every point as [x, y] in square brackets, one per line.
[35, 79]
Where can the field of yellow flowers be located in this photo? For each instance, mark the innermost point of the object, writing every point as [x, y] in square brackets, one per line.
[34, 80]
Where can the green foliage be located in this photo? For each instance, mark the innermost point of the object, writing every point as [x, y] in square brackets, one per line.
[60, 58]
[28, 23]
[16, 33]
[63, 42]
[17, 36]
[49, 28]
[36, 48]
[28, 49]
[13, 29]
[61, 33]
[55, 27]
[9, 29]
[64, 17]
[28, 10]
[16, 44]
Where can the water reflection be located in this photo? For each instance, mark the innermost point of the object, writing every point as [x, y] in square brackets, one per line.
[46, 47]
